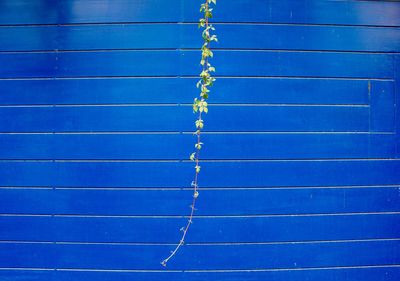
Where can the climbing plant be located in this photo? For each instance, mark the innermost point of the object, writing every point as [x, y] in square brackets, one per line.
[200, 107]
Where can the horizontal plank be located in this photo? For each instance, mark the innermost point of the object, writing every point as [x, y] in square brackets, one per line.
[229, 256]
[27, 229]
[31, 201]
[383, 107]
[31, 275]
[178, 146]
[27, 255]
[214, 174]
[273, 229]
[175, 90]
[140, 202]
[29, 65]
[186, 63]
[276, 201]
[380, 273]
[180, 118]
[356, 274]
[204, 230]
[173, 36]
[79, 11]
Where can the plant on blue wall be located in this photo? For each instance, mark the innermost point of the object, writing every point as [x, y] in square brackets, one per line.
[200, 106]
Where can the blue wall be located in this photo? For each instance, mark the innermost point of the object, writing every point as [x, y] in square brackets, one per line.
[301, 175]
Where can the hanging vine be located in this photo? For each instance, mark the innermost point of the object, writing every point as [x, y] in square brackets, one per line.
[200, 106]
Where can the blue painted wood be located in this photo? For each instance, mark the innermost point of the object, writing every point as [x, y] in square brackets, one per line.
[28, 38]
[175, 118]
[381, 273]
[309, 155]
[28, 255]
[291, 11]
[22, 228]
[31, 201]
[20, 65]
[28, 12]
[356, 274]
[150, 36]
[31, 275]
[397, 101]
[176, 146]
[264, 201]
[312, 12]
[382, 114]
[236, 173]
[174, 63]
[229, 257]
[226, 230]
[276, 201]
[174, 90]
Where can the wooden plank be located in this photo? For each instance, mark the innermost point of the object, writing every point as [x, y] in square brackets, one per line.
[354, 274]
[325, 64]
[31, 255]
[204, 230]
[293, 37]
[214, 174]
[146, 257]
[26, 228]
[27, 65]
[179, 118]
[383, 106]
[100, 11]
[242, 202]
[28, 12]
[380, 273]
[28, 38]
[231, 63]
[173, 36]
[175, 90]
[27, 274]
[174, 202]
[277, 201]
[311, 12]
[27, 174]
[231, 257]
[30, 201]
[175, 63]
[178, 146]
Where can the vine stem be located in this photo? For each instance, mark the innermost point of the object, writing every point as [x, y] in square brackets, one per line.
[196, 175]
[192, 207]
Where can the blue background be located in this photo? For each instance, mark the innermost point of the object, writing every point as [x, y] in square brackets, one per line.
[301, 171]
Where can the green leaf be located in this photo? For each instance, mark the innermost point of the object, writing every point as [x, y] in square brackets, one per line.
[199, 124]
[204, 95]
[197, 167]
[198, 145]
[195, 107]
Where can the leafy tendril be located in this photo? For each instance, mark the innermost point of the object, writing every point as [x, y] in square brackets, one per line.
[200, 106]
